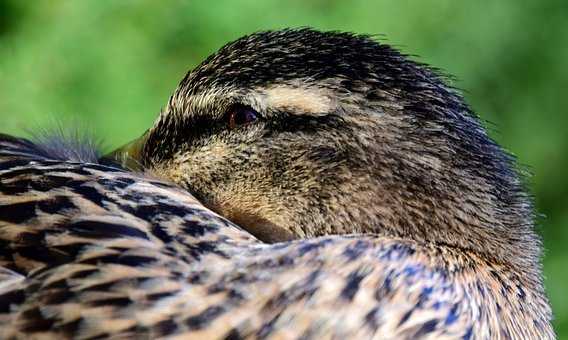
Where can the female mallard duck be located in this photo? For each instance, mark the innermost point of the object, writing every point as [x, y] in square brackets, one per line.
[371, 200]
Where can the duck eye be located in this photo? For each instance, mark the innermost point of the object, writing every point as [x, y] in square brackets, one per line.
[241, 115]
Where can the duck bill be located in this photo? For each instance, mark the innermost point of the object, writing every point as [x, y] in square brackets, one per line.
[129, 155]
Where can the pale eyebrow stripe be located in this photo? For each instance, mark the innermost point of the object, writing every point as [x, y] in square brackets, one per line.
[301, 101]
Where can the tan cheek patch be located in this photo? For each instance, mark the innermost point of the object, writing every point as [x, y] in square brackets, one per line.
[311, 101]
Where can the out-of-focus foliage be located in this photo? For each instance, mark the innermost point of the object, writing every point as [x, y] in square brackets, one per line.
[111, 65]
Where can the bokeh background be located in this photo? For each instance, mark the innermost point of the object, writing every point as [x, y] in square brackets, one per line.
[109, 66]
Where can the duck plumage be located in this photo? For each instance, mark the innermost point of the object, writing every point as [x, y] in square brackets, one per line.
[119, 247]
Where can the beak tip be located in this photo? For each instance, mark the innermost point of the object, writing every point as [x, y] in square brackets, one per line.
[128, 156]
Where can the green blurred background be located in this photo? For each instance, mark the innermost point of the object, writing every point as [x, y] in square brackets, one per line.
[111, 65]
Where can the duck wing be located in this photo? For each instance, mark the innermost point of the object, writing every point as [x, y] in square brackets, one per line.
[91, 250]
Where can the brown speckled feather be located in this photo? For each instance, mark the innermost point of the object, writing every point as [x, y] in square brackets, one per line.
[90, 250]
[370, 201]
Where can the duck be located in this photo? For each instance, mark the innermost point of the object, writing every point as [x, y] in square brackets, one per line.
[298, 184]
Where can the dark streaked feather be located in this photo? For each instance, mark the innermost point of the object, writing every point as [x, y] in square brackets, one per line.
[56, 143]
[108, 253]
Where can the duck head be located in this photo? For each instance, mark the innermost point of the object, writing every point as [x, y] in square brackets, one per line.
[300, 133]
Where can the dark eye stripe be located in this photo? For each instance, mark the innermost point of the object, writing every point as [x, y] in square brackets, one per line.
[309, 124]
